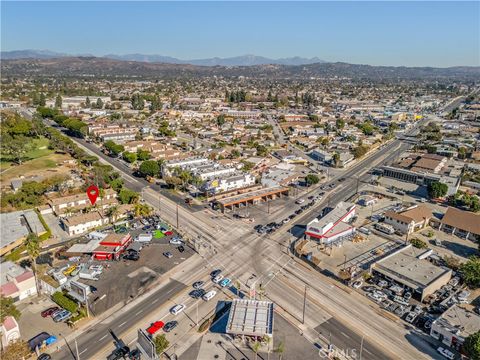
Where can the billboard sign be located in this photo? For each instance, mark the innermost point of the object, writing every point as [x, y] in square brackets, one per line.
[146, 345]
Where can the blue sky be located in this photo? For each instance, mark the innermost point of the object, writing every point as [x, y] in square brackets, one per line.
[377, 33]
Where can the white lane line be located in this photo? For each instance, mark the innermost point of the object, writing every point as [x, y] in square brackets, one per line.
[154, 301]
[122, 324]
[138, 312]
[345, 334]
[366, 350]
[82, 352]
[103, 337]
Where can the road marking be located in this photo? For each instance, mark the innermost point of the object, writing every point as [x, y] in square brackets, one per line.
[154, 301]
[103, 337]
[138, 312]
[366, 350]
[82, 352]
[345, 334]
[122, 324]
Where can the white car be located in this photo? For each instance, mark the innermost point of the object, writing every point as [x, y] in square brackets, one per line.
[209, 295]
[300, 201]
[447, 353]
[176, 241]
[411, 317]
[96, 268]
[177, 309]
[217, 279]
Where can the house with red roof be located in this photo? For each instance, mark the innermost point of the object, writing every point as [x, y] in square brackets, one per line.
[16, 282]
[10, 330]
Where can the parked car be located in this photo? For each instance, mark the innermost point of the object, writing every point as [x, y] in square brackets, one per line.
[216, 272]
[181, 249]
[168, 233]
[209, 295]
[49, 311]
[197, 293]
[217, 278]
[400, 311]
[225, 282]
[357, 284]
[382, 283]
[131, 256]
[407, 296]
[44, 356]
[447, 353]
[177, 309]
[198, 284]
[168, 254]
[400, 300]
[176, 241]
[169, 326]
[96, 268]
[157, 325]
[62, 316]
[410, 318]
[369, 288]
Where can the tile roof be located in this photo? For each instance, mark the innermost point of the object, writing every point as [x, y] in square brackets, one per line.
[463, 220]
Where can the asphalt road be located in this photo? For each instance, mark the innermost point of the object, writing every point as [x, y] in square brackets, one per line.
[94, 340]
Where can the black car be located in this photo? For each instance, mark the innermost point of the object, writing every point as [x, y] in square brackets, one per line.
[215, 273]
[181, 248]
[131, 256]
[198, 284]
[44, 356]
[257, 227]
[311, 197]
[169, 326]
[197, 293]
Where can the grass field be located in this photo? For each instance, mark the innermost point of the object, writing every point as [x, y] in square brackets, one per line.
[39, 149]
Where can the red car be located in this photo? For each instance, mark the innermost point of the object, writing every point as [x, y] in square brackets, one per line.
[157, 325]
[168, 233]
[49, 311]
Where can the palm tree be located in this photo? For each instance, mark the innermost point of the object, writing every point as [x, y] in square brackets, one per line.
[32, 244]
[267, 340]
[280, 350]
[112, 212]
[255, 347]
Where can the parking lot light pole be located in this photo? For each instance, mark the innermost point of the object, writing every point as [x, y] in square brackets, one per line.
[304, 304]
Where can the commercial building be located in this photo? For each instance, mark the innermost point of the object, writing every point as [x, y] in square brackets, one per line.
[220, 185]
[321, 155]
[252, 197]
[250, 318]
[423, 169]
[15, 227]
[110, 247]
[16, 282]
[454, 326]
[334, 226]
[408, 267]
[463, 224]
[410, 220]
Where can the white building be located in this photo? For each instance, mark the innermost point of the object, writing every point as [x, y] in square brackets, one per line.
[10, 331]
[410, 220]
[454, 326]
[79, 224]
[334, 226]
[229, 183]
[16, 282]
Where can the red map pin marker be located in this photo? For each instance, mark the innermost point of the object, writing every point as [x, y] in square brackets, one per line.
[92, 193]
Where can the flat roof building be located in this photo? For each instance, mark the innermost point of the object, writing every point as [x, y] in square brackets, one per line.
[454, 326]
[250, 318]
[334, 226]
[409, 268]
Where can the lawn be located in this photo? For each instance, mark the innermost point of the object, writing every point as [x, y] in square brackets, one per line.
[39, 166]
[39, 149]
[157, 234]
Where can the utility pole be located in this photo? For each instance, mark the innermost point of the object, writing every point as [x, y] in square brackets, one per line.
[76, 348]
[304, 304]
[268, 206]
[361, 348]
[197, 313]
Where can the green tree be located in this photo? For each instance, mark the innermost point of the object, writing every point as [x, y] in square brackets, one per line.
[127, 196]
[99, 104]
[419, 244]
[220, 119]
[32, 244]
[112, 212]
[360, 151]
[280, 349]
[142, 210]
[156, 104]
[340, 123]
[43, 100]
[8, 308]
[87, 102]
[143, 155]
[471, 346]
[58, 102]
[471, 272]
[149, 168]
[437, 189]
[137, 102]
[161, 343]
[113, 148]
[129, 157]
[173, 181]
[311, 179]
[336, 159]
[256, 347]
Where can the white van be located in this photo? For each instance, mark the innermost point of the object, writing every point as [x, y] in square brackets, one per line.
[364, 230]
[209, 295]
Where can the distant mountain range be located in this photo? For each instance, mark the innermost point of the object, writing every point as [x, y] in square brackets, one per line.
[245, 60]
[88, 66]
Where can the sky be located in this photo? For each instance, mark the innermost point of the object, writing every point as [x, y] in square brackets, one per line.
[429, 33]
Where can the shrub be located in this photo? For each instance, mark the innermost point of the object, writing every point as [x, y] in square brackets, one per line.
[419, 244]
[63, 301]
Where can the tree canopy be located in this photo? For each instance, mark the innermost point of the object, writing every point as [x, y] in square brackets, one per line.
[471, 272]
[437, 189]
[471, 346]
